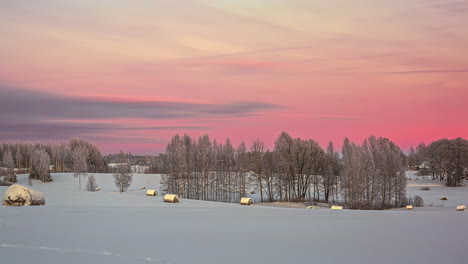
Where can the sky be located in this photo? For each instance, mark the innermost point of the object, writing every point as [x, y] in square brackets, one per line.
[128, 75]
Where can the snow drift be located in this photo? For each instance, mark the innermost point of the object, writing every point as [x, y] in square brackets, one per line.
[5, 183]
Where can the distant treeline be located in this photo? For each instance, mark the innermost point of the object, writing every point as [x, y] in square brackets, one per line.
[369, 175]
[41, 159]
[444, 159]
[366, 176]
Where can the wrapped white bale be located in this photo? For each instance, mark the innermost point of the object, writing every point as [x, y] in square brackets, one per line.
[151, 193]
[409, 207]
[18, 195]
[461, 208]
[143, 187]
[246, 201]
[336, 207]
[171, 198]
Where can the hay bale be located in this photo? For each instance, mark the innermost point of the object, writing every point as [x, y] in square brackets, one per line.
[18, 195]
[336, 207]
[461, 208]
[311, 207]
[151, 193]
[143, 187]
[246, 201]
[97, 189]
[409, 207]
[171, 198]
[443, 198]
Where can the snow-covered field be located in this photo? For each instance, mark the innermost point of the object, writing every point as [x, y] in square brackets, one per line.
[108, 227]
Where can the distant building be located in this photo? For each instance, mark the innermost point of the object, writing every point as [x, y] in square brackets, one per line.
[140, 169]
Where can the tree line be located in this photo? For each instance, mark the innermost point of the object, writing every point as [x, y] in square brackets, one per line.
[444, 159]
[39, 160]
[367, 176]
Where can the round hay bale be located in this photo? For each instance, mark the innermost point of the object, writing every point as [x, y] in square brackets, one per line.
[97, 189]
[409, 207]
[143, 187]
[336, 207]
[311, 207]
[246, 201]
[461, 208]
[443, 198]
[18, 195]
[171, 198]
[151, 193]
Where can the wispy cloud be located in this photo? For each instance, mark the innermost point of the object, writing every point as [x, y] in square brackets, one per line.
[426, 71]
[344, 117]
[36, 115]
[34, 105]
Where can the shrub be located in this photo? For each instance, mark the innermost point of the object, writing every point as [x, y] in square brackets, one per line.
[418, 201]
[91, 185]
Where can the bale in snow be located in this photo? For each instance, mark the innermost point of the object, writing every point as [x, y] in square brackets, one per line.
[151, 193]
[97, 189]
[336, 207]
[5, 183]
[18, 195]
[409, 207]
[443, 198]
[143, 187]
[461, 208]
[246, 201]
[171, 198]
[311, 207]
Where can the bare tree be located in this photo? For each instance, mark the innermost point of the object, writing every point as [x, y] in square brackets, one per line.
[256, 161]
[331, 171]
[123, 175]
[79, 155]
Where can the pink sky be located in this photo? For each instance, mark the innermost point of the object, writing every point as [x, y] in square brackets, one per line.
[241, 69]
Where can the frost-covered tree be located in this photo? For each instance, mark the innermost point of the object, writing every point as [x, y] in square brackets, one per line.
[373, 175]
[40, 166]
[447, 159]
[9, 164]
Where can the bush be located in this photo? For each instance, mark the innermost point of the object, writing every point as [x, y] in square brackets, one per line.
[91, 185]
[425, 188]
[418, 201]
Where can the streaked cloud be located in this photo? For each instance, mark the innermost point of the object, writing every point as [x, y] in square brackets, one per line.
[138, 72]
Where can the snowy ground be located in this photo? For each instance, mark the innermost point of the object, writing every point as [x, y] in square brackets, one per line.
[455, 196]
[108, 227]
